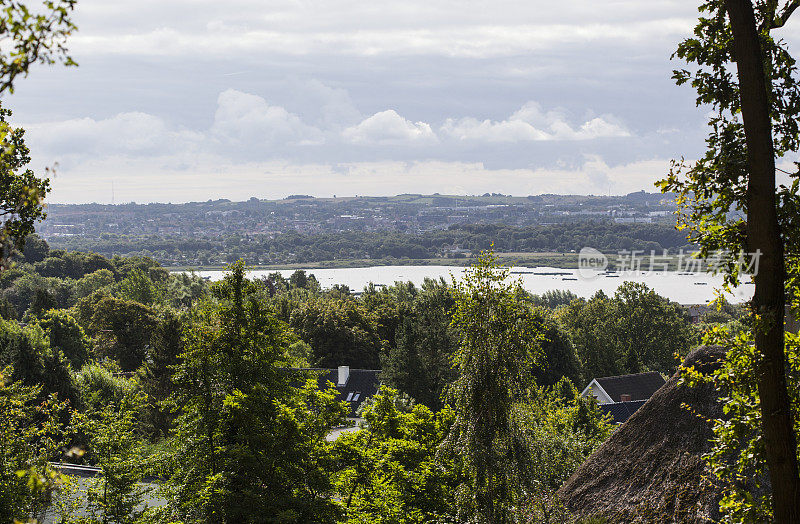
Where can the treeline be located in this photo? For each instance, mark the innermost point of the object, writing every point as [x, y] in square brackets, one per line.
[118, 364]
[295, 247]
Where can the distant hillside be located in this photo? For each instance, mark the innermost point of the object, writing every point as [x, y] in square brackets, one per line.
[303, 229]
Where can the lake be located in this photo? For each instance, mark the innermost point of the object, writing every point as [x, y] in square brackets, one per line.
[693, 288]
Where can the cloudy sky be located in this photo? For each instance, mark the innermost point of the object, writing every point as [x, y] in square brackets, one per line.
[185, 100]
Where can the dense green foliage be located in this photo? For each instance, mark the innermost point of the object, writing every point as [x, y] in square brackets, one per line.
[173, 377]
[35, 363]
[636, 330]
[340, 332]
[388, 473]
[31, 432]
[67, 336]
[419, 362]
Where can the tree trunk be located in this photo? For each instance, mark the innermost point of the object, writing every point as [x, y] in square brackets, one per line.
[764, 235]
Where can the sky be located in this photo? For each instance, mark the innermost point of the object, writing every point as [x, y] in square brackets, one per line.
[190, 100]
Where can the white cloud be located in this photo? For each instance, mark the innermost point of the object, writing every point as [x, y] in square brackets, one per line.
[126, 133]
[387, 127]
[246, 119]
[531, 124]
[336, 109]
[599, 128]
[489, 131]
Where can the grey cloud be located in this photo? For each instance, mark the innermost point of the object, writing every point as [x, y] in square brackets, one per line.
[349, 83]
[415, 27]
[247, 127]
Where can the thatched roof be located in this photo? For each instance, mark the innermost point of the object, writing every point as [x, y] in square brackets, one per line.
[650, 469]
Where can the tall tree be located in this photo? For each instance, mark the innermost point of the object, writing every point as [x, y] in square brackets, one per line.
[729, 197]
[166, 345]
[249, 440]
[22, 192]
[500, 343]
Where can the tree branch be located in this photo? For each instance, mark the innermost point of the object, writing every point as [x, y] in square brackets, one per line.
[781, 19]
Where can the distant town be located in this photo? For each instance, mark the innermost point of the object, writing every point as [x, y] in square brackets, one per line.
[412, 213]
[304, 229]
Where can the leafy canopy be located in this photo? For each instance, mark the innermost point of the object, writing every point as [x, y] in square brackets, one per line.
[500, 344]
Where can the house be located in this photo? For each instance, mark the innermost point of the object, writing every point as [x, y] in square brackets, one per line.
[697, 311]
[354, 385]
[622, 395]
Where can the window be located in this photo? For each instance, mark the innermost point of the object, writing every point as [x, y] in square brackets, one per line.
[349, 396]
[355, 397]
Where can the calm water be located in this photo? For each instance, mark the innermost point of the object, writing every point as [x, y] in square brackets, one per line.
[697, 288]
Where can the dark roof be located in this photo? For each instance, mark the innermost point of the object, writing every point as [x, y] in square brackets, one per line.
[361, 384]
[621, 411]
[640, 386]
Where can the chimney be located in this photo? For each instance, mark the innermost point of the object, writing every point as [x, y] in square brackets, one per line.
[344, 374]
[622, 398]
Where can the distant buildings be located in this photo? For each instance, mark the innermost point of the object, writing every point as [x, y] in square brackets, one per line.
[220, 231]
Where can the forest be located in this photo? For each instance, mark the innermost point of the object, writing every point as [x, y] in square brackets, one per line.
[165, 377]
